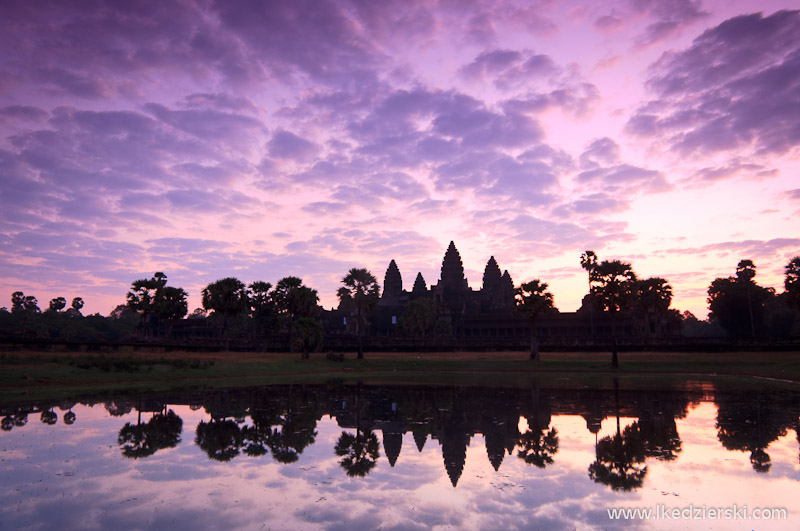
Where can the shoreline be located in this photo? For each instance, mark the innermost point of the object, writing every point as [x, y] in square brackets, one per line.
[41, 374]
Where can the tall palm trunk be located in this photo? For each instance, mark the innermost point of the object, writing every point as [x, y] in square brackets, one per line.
[614, 357]
[358, 334]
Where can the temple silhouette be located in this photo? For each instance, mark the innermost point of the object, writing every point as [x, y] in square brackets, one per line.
[484, 318]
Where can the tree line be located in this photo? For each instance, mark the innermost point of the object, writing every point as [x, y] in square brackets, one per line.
[739, 308]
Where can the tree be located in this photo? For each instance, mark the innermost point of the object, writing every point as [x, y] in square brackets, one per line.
[359, 294]
[309, 336]
[170, 304]
[197, 313]
[262, 308]
[141, 298]
[228, 298]
[17, 302]
[653, 298]
[745, 273]
[792, 281]
[292, 300]
[75, 307]
[57, 304]
[613, 283]
[418, 318]
[738, 303]
[533, 299]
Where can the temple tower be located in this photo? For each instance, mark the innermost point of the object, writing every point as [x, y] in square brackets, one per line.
[453, 278]
[392, 282]
[420, 288]
[492, 292]
[507, 287]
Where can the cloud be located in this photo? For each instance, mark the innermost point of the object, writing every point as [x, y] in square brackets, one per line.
[23, 113]
[207, 124]
[515, 70]
[735, 87]
[733, 168]
[602, 167]
[671, 18]
[287, 145]
[490, 63]
[662, 19]
[324, 43]
[600, 151]
[743, 248]
[212, 101]
[592, 204]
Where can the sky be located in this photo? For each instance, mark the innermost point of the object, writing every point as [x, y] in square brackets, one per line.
[261, 139]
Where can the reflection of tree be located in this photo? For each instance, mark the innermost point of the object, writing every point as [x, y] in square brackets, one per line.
[359, 452]
[297, 431]
[69, 417]
[14, 420]
[660, 434]
[143, 440]
[619, 460]
[49, 417]
[750, 422]
[118, 409]
[538, 446]
[219, 439]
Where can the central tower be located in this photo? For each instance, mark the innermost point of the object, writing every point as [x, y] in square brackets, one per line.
[453, 278]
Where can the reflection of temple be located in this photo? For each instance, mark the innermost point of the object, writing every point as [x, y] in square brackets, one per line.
[279, 422]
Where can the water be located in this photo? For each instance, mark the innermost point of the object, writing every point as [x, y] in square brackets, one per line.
[363, 457]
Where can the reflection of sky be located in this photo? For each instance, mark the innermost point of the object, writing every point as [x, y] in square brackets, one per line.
[74, 477]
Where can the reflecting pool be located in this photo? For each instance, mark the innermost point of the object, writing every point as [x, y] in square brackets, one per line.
[366, 457]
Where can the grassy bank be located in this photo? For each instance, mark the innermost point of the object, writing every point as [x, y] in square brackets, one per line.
[35, 375]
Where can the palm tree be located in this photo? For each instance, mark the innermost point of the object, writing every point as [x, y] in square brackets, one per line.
[653, 297]
[58, 304]
[359, 294]
[141, 298]
[533, 299]
[745, 273]
[614, 286]
[589, 262]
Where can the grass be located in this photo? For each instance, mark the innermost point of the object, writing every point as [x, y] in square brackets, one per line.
[39, 375]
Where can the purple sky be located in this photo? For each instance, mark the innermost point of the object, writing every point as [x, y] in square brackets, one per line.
[262, 139]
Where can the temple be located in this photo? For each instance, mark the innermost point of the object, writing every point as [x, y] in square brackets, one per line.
[459, 316]
[459, 310]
